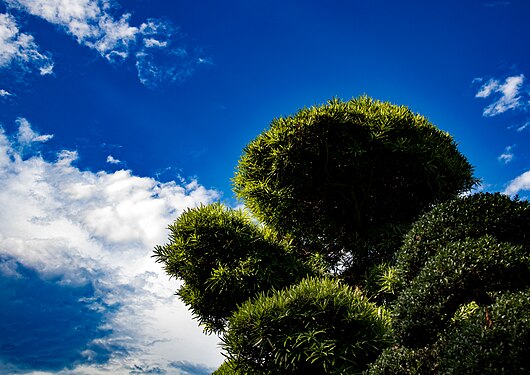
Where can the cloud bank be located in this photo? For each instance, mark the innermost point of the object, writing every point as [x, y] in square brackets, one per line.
[81, 292]
[158, 48]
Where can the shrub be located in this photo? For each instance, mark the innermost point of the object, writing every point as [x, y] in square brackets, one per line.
[316, 327]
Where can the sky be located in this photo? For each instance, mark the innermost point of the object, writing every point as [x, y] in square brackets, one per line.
[116, 116]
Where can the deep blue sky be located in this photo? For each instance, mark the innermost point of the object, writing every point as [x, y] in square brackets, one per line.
[172, 91]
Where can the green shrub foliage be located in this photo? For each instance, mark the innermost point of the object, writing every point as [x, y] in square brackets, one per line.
[316, 327]
[399, 360]
[463, 303]
[474, 216]
[336, 192]
[350, 176]
[223, 259]
[498, 343]
[461, 272]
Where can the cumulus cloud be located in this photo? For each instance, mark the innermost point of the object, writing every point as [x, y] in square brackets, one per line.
[507, 156]
[161, 56]
[18, 49]
[507, 94]
[520, 183]
[86, 239]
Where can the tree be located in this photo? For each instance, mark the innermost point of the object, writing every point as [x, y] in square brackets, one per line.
[464, 291]
[347, 179]
[332, 190]
[317, 326]
[223, 259]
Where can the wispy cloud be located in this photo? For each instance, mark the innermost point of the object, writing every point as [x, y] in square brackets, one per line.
[86, 240]
[520, 183]
[26, 136]
[88, 21]
[5, 93]
[159, 49]
[507, 156]
[523, 127]
[163, 57]
[507, 94]
[18, 49]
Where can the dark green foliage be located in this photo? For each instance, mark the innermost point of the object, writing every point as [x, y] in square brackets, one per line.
[337, 189]
[399, 360]
[224, 259]
[463, 300]
[350, 176]
[316, 327]
[474, 216]
[380, 283]
[459, 273]
[497, 344]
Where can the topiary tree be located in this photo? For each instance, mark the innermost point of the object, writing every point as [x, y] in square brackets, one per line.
[461, 272]
[332, 190]
[463, 279]
[474, 216]
[223, 259]
[347, 179]
[317, 326]
[502, 347]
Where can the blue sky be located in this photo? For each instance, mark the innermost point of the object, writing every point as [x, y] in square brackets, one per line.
[118, 115]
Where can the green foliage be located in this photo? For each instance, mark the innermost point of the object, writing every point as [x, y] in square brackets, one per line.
[226, 368]
[399, 360]
[224, 258]
[380, 283]
[349, 176]
[474, 216]
[338, 190]
[463, 300]
[495, 344]
[459, 273]
[316, 327]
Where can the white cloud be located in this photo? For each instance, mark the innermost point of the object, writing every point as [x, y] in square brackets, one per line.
[508, 94]
[523, 127]
[100, 228]
[20, 50]
[112, 160]
[88, 21]
[4, 93]
[521, 182]
[161, 55]
[164, 58]
[507, 156]
[26, 136]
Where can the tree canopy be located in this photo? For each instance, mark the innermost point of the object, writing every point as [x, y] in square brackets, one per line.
[359, 253]
[349, 177]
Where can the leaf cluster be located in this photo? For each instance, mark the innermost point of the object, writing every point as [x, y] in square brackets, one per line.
[339, 175]
[317, 326]
[223, 259]
[462, 305]
[332, 191]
